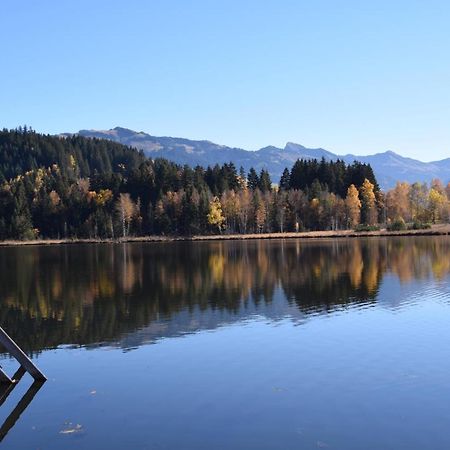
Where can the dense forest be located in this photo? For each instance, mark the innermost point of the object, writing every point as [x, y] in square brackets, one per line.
[76, 187]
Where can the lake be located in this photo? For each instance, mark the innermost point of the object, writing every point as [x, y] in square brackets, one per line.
[280, 344]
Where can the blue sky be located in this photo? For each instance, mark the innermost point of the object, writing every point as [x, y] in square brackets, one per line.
[349, 76]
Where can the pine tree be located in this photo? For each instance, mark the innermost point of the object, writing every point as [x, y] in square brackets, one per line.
[264, 181]
[285, 180]
[252, 179]
[21, 225]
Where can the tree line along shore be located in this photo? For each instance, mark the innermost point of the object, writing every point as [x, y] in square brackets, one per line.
[71, 189]
[434, 230]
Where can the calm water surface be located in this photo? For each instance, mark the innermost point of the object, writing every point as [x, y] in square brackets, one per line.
[338, 344]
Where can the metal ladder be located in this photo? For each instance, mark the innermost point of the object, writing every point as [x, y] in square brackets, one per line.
[21, 357]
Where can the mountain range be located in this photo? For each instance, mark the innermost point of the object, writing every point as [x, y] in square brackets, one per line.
[389, 167]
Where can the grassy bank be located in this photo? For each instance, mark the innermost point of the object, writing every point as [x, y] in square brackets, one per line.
[435, 230]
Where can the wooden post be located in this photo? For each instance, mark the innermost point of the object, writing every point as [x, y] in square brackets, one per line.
[21, 357]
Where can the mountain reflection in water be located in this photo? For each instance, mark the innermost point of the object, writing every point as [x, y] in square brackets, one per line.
[128, 294]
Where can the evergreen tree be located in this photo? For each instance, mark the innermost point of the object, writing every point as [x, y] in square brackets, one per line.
[252, 179]
[264, 181]
[285, 180]
[21, 225]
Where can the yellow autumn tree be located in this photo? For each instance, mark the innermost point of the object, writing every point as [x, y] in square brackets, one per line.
[436, 202]
[260, 214]
[245, 206]
[126, 209]
[230, 206]
[215, 216]
[398, 202]
[418, 196]
[103, 197]
[368, 203]
[352, 206]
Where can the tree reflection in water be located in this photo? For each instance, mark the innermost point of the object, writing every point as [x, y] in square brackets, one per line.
[88, 294]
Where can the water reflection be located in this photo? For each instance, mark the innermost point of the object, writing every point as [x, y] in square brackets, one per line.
[86, 294]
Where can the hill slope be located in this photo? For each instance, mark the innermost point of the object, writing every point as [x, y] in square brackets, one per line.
[388, 166]
[22, 151]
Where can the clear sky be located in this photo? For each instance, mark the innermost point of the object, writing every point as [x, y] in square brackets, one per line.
[350, 76]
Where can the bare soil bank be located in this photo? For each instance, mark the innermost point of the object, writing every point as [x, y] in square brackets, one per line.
[435, 230]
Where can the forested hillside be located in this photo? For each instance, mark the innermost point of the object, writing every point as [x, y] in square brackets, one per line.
[23, 149]
[77, 187]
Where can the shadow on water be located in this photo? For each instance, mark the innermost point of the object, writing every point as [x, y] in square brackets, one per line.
[90, 294]
[22, 404]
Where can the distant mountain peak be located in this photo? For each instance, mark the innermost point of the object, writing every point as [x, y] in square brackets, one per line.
[270, 148]
[125, 129]
[293, 145]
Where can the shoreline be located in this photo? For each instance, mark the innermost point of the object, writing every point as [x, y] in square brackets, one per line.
[435, 230]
